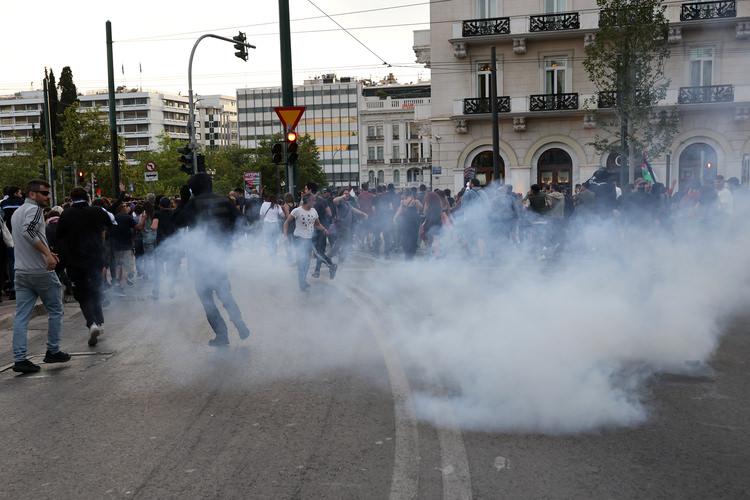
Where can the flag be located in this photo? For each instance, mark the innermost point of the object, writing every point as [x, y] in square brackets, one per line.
[647, 173]
[123, 70]
[140, 69]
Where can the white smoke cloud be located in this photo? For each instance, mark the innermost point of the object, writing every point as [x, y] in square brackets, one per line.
[506, 342]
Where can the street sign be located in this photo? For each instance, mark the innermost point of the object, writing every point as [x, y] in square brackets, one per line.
[151, 167]
[151, 176]
[437, 170]
[289, 115]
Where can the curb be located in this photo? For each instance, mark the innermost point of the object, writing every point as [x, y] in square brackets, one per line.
[6, 320]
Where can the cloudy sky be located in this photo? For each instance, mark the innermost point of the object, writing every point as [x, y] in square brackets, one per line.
[158, 36]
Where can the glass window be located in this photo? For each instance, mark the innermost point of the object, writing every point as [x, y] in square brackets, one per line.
[701, 66]
[380, 152]
[370, 131]
[379, 131]
[396, 152]
[396, 177]
[371, 176]
[371, 152]
[381, 177]
[484, 77]
[486, 9]
[555, 69]
[554, 6]
[396, 130]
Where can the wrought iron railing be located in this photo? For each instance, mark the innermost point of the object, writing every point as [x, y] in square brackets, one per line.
[478, 105]
[553, 102]
[696, 11]
[706, 94]
[481, 27]
[555, 22]
[607, 99]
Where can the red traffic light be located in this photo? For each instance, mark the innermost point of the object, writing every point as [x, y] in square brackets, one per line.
[291, 136]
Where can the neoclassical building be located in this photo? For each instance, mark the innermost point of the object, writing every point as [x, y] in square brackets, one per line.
[545, 125]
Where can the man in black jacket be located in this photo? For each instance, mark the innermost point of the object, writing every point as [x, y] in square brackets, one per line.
[80, 237]
[216, 218]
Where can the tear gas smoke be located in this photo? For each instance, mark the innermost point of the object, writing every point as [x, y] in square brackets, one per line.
[506, 342]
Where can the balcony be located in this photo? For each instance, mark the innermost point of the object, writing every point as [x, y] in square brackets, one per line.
[707, 94]
[606, 100]
[478, 105]
[483, 27]
[553, 102]
[554, 22]
[375, 161]
[375, 137]
[394, 161]
[697, 11]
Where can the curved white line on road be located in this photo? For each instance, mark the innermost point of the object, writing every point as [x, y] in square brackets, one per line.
[455, 464]
[405, 482]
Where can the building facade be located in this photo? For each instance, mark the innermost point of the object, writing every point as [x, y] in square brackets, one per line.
[546, 98]
[217, 121]
[395, 140]
[331, 118]
[142, 117]
[20, 117]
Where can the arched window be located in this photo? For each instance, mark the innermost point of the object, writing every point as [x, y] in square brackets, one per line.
[413, 175]
[396, 177]
[555, 167]
[381, 177]
[698, 163]
[371, 177]
[482, 167]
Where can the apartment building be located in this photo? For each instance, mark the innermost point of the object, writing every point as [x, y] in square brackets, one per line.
[20, 116]
[142, 117]
[395, 125]
[331, 118]
[216, 121]
[545, 127]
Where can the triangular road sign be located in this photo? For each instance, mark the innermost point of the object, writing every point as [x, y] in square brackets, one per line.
[290, 115]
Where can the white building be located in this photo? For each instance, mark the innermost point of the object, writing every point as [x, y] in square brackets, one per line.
[217, 121]
[20, 115]
[395, 140]
[331, 118]
[142, 117]
[542, 87]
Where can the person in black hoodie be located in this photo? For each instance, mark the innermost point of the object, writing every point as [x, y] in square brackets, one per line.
[217, 216]
[80, 239]
[12, 200]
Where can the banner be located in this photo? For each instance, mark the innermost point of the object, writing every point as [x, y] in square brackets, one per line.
[252, 181]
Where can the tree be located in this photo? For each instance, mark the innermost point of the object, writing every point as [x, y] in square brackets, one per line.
[86, 140]
[68, 96]
[54, 104]
[626, 64]
[25, 165]
[308, 165]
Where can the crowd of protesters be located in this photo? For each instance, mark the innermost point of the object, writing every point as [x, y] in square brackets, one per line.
[92, 251]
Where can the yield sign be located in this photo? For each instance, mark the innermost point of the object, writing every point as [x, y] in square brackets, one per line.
[290, 115]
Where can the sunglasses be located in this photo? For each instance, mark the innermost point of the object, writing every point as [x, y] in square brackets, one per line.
[45, 193]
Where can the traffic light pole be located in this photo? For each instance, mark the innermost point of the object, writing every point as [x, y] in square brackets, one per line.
[112, 115]
[287, 91]
[191, 102]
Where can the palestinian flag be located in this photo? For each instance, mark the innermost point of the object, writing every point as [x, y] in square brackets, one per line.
[647, 173]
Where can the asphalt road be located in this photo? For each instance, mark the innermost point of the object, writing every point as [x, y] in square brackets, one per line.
[316, 404]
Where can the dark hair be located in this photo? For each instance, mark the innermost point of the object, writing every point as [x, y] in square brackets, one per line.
[312, 186]
[148, 208]
[306, 198]
[165, 202]
[447, 192]
[475, 182]
[36, 184]
[535, 188]
[79, 194]
[272, 200]
[11, 190]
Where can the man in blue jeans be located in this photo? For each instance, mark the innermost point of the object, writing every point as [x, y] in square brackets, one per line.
[35, 278]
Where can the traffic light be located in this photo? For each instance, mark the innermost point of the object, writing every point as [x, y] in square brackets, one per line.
[276, 153]
[186, 159]
[240, 46]
[81, 177]
[291, 147]
[201, 163]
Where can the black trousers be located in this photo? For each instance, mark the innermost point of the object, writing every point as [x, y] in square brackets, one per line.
[217, 282]
[87, 289]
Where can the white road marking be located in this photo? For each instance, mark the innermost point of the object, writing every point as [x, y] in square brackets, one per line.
[456, 476]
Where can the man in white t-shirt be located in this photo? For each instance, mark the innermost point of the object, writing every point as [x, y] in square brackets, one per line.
[306, 221]
[726, 199]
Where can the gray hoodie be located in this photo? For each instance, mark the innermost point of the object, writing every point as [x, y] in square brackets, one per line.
[28, 228]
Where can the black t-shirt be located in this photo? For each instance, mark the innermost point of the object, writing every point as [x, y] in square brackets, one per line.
[80, 235]
[122, 234]
[321, 204]
[166, 226]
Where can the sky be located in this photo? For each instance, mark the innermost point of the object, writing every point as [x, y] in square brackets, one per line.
[157, 37]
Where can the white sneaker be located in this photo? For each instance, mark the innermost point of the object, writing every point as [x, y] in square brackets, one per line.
[94, 332]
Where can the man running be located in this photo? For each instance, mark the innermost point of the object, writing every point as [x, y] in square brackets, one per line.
[325, 216]
[306, 222]
[80, 235]
[217, 216]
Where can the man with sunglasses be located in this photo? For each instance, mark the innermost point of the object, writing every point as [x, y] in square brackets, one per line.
[35, 278]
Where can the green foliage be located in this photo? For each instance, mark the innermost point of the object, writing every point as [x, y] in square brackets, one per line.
[54, 104]
[308, 165]
[19, 169]
[68, 90]
[628, 57]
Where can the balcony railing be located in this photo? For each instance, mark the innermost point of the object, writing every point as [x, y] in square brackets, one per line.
[555, 22]
[481, 27]
[480, 105]
[375, 137]
[553, 102]
[696, 11]
[706, 94]
[374, 161]
[607, 99]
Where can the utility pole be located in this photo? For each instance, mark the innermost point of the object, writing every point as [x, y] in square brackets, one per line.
[287, 92]
[239, 42]
[495, 118]
[115, 159]
[48, 138]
